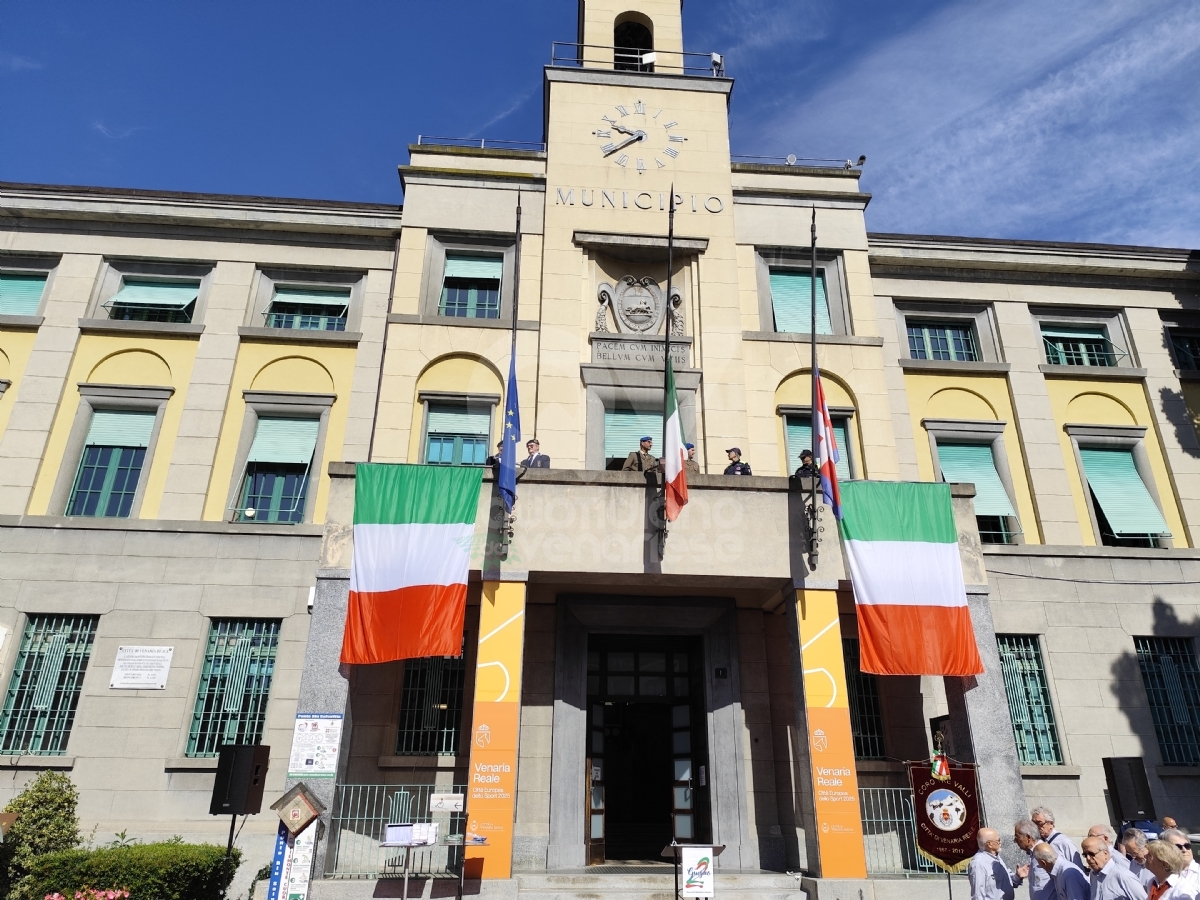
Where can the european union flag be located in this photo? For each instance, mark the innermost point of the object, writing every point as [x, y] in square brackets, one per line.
[511, 438]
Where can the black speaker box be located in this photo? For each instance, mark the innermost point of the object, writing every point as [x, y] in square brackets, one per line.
[1128, 789]
[241, 776]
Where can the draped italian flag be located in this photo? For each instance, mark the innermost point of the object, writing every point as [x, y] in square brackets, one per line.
[674, 453]
[902, 552]
[413, 527]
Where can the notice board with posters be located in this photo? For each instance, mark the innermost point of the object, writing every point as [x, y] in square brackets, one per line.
[946, 807]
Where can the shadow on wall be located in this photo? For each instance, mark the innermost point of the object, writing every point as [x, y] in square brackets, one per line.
[1183, 418]
[1163, 709]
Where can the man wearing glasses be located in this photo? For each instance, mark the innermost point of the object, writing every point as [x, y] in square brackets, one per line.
[1106, 834]
[1108, 880]
[1043, 818]
[1189, 878]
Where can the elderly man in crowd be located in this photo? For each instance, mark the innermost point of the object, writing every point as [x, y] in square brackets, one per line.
[1043, 818]
[1164, 863]
[990, 878]
[1133, 842]
[1189, 877]
[1109, 881]
[1066, 879]
[1106, 834]
[1041, 887]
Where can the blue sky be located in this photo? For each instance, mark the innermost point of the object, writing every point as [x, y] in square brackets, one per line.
[1061, 120]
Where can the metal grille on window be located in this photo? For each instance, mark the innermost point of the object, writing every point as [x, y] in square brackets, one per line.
[1029, 700]
[866, 721]
[1172, 680]
[431, 706]
[1187, 348]
[231, 702]
[44, 690]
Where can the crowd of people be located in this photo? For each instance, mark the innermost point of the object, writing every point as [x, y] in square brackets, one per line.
[1105, 866]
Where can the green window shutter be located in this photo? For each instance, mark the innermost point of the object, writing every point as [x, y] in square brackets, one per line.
[799, 439]
[474, 267]
[974, 464]
[623, 428]
[1121, 493]
[312, 297]
[20, 295]
[162, 294]
[120, 428]
[284, 441]
[1074, 334]
[791, 290]
[449, 419]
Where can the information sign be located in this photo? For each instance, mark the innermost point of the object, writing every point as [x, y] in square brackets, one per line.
[141, 668]
[697, 864]
[316, 741]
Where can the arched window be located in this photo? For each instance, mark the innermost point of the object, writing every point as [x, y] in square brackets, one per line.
[632, 38]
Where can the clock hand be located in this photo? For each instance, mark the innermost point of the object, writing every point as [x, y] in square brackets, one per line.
[622, 129]
[637, 136]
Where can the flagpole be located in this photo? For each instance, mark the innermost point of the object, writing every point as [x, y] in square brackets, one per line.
[816, 447]
[516, 276]
[667, 346]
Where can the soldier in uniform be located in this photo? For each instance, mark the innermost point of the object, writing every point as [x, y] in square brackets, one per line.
[690, 465]
[642, 460]
[736, 466]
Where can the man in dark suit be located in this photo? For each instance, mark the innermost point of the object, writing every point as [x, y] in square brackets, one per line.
[536, 459]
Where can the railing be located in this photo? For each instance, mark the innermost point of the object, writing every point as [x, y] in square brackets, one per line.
[1083, 351]
[816, 162]
[432, 140]
[890, 833]
[632, 59]
[356, 827]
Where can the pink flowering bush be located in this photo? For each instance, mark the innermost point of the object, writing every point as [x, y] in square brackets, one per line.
[93, 894]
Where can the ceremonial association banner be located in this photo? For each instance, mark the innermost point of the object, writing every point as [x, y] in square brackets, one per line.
[947, 812]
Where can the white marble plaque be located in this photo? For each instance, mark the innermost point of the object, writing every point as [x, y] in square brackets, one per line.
[141, 668]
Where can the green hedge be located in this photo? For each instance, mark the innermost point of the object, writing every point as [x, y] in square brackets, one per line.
[167, 871]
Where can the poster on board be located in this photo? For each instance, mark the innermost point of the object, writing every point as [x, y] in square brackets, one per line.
[697, 871]
[316, 740]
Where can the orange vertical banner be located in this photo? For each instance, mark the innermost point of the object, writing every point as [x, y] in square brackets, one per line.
[492, 777]
[830, 740]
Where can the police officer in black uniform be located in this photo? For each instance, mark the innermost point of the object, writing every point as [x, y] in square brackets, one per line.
[736, 466]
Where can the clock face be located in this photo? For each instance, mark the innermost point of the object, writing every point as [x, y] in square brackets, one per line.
[635, 136]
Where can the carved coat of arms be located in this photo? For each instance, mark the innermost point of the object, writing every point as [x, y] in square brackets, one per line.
[637, 306]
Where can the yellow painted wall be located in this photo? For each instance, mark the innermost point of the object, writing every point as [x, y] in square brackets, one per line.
[276, 367]
[15, 347]
[1083, 402]
[796, 390]
[110, 359]
[665, 22]
[456, 375]
[972, 397]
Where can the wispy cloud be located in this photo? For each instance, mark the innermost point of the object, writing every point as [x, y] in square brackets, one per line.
[756, 25]
[10, 62]
[116, 134]
[1072, 120]
[516, 104]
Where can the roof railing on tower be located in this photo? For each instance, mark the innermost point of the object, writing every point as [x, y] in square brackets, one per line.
[632, 59]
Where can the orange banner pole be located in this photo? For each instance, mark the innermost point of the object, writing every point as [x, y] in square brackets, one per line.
[830, 740]
[492, 776]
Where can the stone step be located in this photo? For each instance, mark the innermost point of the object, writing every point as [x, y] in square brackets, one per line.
[651, 886]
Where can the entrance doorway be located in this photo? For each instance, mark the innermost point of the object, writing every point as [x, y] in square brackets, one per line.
[647, 746]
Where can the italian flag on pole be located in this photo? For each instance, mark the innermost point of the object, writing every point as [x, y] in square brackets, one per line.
[902, 552]
[413, 527]
[674, 452]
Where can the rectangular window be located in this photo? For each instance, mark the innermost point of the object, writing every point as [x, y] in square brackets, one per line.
[277, 468]
[1029, 700]
[113, 453]
[1068, 346]
[231, 700]
[623, 431]
[798, 429]
[431, 706]
[457, 435]
[1172, 681]
[866, 720]
[471, 286]
[154, 301]
[791, 299]
[942, 340]
[975, 464]
[1186, 345]
[1127, 514]
[308, 310]
[20, 295]
[44, 690]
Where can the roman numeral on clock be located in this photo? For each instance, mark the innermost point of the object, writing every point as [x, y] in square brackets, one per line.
[639, 108]
[622, 110]
[671, 152]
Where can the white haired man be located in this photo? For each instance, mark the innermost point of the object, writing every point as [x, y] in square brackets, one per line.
[1109, 881]
[1043, 818]
[1041, 886]
[1066, 878]
[990, 878]
[1133, 842]
[1189, 879]
[1106, 834]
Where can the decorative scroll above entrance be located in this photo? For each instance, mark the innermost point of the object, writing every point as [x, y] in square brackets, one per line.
[637, 307]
